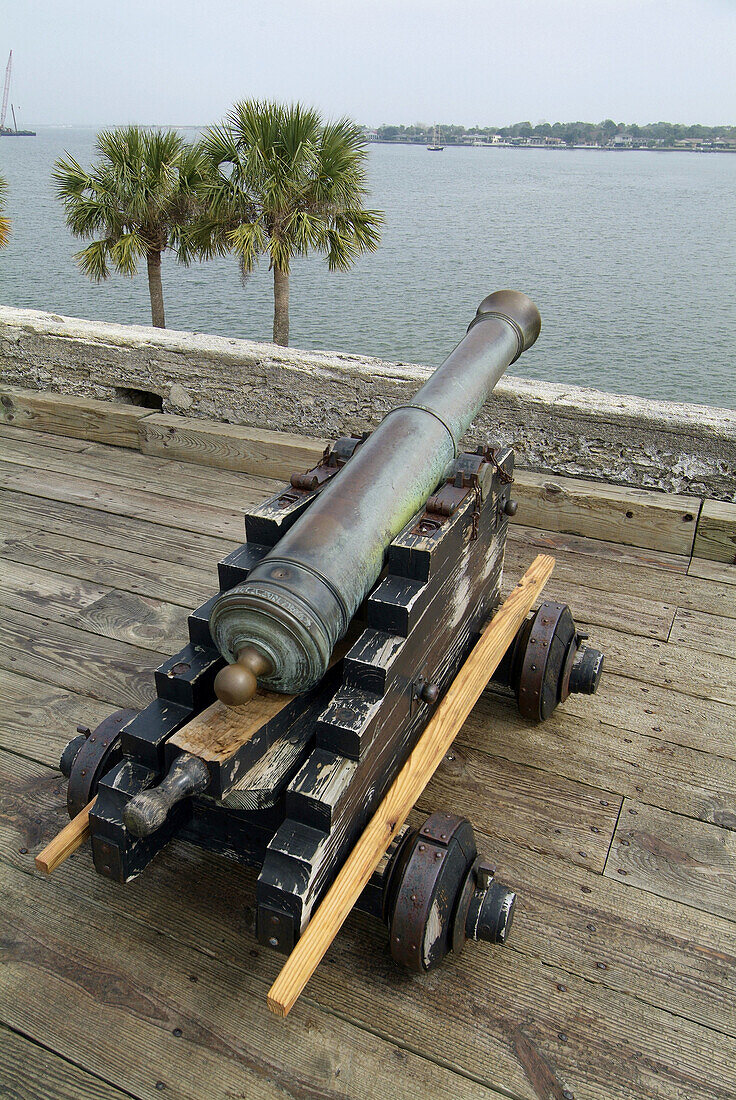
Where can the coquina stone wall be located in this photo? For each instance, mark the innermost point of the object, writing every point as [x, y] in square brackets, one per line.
[558, 429]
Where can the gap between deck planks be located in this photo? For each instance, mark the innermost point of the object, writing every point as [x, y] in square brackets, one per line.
[689, 861]
[550, 998]
[24, 1064]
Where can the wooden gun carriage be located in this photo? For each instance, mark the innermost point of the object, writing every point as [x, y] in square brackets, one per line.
[314, 678]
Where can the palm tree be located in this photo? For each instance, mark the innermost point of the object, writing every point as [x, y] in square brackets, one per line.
[284, 183]
[4, 222]
[138, 197]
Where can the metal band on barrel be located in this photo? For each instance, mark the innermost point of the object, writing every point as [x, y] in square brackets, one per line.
[502, 317]
[436, 415]
[302, 566]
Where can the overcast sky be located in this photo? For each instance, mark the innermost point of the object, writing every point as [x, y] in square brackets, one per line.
[468, 61]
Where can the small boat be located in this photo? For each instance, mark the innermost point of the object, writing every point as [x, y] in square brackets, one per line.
[436, 146]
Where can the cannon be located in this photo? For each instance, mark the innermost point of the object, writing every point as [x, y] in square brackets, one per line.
[313, 676]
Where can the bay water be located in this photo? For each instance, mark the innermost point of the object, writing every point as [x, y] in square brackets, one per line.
[630, 256]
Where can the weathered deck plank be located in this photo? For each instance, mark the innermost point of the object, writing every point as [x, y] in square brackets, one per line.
[668, 665]
[132, 470]
[673, 856]
[108, 566]
[717, 571]
[84, 524]
[180, 1024]
[602, 567]
[37, 719]
[655, 711]
[112, 613]
[100, 495]
[613, 986]
[648, 768]
[507, 1018]
[104, 668]
[26, 1068]
[652, 948]
[705, 633]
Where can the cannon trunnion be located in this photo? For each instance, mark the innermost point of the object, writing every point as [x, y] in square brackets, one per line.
[361, 650]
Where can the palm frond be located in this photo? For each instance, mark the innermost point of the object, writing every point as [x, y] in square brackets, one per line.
[144, 188]
[126, 251]
[92, 260]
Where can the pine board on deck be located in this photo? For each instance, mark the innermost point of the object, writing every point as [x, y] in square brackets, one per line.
[608, 988]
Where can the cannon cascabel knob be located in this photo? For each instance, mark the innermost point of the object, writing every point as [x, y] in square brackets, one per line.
[236, 684]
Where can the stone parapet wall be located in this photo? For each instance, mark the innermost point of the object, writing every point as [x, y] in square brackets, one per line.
[557, 429]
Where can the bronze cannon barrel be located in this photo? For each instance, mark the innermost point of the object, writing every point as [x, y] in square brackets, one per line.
[280, 625]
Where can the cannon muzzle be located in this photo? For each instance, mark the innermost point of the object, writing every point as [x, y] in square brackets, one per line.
[279, 627]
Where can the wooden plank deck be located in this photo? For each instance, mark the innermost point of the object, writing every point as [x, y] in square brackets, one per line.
[615, 820]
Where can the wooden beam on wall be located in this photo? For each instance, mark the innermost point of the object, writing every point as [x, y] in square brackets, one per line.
[229, 446]
[79, 417]
[715, 538]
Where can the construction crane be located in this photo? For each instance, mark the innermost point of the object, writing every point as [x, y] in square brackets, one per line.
[6, 131]
[6, 91]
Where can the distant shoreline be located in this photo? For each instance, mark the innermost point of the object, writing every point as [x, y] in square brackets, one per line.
[552, 148]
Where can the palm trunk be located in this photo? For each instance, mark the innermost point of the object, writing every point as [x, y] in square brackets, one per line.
[280, 306]
[156, 290]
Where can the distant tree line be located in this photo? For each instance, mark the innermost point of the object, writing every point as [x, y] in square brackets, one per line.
[572, 133]
[272, 180]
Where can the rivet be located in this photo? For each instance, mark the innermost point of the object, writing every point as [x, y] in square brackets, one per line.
[590, 927]
[602, 966]
[585, 889]
[273, 941]
[594, 829]
[562, 1036]
[23, 851]
[621, 871]
[176, 1031]
[422, 847]
[562, 988]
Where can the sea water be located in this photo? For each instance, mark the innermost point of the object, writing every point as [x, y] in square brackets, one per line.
[630, 257]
